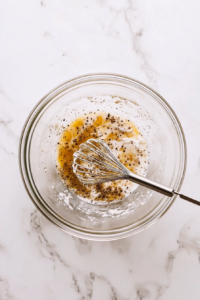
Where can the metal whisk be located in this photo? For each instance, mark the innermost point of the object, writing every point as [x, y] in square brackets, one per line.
[95, 163]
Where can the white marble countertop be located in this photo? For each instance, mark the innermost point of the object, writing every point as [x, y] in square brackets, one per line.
[42, 44]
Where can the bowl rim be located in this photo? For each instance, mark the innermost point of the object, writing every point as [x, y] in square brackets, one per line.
[98, 236]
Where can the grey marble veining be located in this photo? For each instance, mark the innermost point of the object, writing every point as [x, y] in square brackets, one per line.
[44, 43]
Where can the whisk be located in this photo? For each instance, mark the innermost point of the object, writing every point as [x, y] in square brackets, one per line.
[94, 163]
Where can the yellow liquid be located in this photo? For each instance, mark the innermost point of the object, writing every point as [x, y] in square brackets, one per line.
[113, 130]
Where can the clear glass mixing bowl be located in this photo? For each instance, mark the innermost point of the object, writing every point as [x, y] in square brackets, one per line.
[37, 155]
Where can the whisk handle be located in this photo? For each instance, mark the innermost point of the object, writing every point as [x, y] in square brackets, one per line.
[188, 199]
[159, 187]
[151, 184]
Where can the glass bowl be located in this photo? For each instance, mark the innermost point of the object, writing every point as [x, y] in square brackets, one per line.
[125, 96]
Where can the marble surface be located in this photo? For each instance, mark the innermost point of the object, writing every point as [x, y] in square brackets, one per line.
[42, 44]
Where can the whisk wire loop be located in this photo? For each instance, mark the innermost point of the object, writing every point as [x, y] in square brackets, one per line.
[94, 163]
